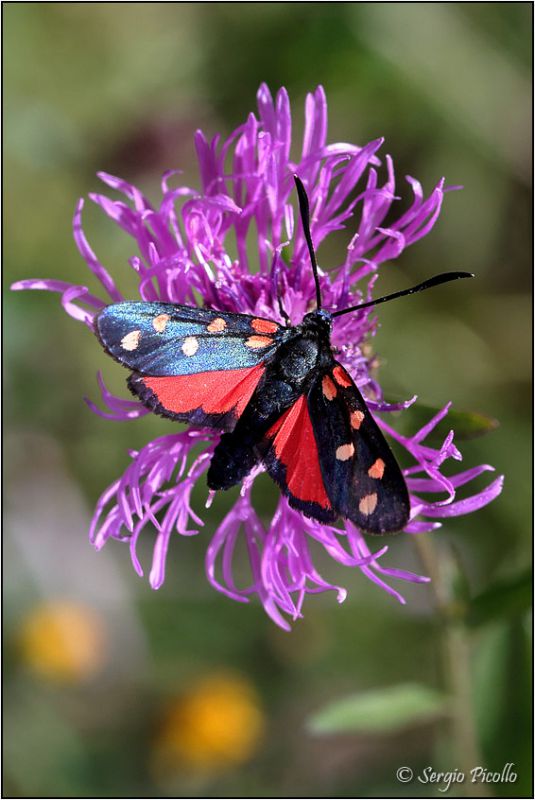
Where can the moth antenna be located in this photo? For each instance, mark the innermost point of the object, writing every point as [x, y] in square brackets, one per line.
[276, 278]
[304, 208]
[444, 277]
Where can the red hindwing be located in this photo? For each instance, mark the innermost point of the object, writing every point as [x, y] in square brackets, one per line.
[295, 448]
[217, 392]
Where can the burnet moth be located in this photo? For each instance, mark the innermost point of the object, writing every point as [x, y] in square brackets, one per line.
[277, 394]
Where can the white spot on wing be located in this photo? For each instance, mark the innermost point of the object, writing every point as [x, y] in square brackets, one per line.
[255, 342]
[190, 346]
[159, 323]
[131, 340]
[345, 451]
[368, 503]
[217, 325]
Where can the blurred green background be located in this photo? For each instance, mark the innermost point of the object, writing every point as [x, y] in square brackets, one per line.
[114, 690]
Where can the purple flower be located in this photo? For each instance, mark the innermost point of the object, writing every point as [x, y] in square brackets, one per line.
[185, 249]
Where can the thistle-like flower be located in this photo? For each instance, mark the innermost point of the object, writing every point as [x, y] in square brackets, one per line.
[185, 246]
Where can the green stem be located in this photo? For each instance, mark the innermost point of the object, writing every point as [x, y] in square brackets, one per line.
[456, 659]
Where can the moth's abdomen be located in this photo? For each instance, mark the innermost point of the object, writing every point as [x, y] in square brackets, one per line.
[232, 461]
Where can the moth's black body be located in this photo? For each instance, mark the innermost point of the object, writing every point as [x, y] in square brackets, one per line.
[306, 349]
[286, 377]
[298, 369]
[278, 395]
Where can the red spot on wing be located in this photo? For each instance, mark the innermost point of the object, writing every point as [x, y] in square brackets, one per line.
[341, 377]
[215, 392]
[295, 447]
[264, 326]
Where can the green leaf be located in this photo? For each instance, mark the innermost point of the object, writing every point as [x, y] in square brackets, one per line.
[380, 710]
[466, 424]
[502, 600]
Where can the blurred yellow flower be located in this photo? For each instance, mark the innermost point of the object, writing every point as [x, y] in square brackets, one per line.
[63, 641]
[215, 725]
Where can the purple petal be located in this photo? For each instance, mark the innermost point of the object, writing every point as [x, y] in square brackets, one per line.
[469, 504]
[91, 260]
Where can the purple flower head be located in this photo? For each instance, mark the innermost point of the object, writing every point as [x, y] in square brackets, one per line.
[237, 243]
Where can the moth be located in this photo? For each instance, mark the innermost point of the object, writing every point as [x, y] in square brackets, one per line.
[277, 394]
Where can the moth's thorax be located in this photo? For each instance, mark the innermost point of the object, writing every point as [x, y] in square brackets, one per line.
[316, 327]
[307, 347]
[298, 357]
[318, 322]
